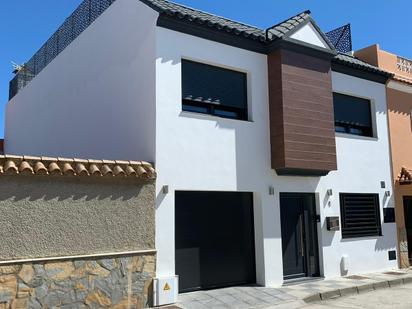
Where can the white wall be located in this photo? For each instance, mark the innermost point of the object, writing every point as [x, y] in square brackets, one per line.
[96, 99]
[362, 164]
[202, 152]
[310, 35]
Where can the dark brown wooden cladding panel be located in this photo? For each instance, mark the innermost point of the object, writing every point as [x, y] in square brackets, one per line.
[301, 114]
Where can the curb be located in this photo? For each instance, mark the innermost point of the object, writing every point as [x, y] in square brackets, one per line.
[317, 297]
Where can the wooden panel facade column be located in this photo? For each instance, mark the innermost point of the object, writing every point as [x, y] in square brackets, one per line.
[301, 114]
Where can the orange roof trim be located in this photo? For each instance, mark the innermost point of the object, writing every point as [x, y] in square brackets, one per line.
[402, 79]
[29, 165]
[405, 176]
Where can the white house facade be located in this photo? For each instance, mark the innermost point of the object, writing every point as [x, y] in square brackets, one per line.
[247, 191]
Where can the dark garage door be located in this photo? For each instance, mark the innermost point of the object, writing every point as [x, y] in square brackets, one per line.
[214, 239]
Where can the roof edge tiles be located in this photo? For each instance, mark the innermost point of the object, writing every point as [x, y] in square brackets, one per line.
[41, 166]
[195, 16]
[226, 31]
[283, 28]
[260, 39]
[402, 79]
[351, 65]
[405, 176]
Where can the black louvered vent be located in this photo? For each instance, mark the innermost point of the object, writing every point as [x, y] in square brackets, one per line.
[360, 215]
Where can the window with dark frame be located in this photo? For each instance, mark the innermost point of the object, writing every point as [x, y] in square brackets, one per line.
[360, 215]
[213, 90]
[352, 115]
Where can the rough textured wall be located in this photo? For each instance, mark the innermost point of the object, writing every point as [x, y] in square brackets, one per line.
[51, 216]
[112, 282]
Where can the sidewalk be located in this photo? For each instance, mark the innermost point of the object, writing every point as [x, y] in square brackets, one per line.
[291, 296]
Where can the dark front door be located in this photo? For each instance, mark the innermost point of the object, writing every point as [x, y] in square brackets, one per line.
[214, 237]
[299, 235]
[407, 204]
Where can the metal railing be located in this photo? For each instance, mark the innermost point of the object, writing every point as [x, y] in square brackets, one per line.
[341, 38]
[404, 65]
[85, 14]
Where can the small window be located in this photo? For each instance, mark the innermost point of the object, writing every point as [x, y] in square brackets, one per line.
[389, 215]
[352, 115]
[360, 215]
[212, 90]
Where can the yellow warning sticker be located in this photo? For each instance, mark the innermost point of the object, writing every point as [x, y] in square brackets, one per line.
[166, 287]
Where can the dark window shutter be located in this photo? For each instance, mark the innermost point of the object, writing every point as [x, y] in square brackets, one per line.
[352, 115]
[360, 215]
[214, 90]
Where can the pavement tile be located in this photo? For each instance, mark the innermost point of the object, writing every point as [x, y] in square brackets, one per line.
[291, 296]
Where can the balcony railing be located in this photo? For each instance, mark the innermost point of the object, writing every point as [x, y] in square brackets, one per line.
[404, 65]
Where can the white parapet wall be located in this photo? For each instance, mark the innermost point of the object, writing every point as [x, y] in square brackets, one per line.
[96, 98]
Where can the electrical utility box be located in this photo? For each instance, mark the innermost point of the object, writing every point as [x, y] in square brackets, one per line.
[165, 290]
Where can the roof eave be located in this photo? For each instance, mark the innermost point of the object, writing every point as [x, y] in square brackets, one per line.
[355, 70]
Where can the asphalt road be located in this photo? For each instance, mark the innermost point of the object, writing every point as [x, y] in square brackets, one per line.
[396, 297]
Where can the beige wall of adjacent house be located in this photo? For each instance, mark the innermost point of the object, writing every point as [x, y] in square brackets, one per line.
[400, 124]
[399, 98]
[384, 60]
[48, 216]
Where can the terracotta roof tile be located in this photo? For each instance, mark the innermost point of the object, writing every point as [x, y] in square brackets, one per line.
[106, 170]
[31, 165]
[405, 176]
[54, 169]
[25, 168]
[10, 167]
[402, 79]
[40, 168]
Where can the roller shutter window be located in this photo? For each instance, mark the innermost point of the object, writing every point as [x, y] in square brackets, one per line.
[360, 215]
[352, 115]
[213, 90]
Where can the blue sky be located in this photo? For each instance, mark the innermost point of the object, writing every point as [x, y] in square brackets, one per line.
[26, 25]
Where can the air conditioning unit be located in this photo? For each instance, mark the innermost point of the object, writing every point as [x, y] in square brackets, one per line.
[165, 290]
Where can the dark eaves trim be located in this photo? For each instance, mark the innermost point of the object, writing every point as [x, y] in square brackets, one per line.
[301, 47]
[259, 44]
[300, 172]
[244, 41]
[348, 69]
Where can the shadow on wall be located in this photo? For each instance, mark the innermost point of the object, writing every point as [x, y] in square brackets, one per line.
[387, 243]
[399, 102]
[34, 188]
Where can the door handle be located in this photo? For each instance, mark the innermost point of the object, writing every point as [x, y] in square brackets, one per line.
[301, 236]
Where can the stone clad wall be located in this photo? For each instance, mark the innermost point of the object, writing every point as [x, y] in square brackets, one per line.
[112, 282]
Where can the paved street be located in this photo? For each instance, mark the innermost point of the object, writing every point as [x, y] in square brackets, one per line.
[397, 297]
[389, 289]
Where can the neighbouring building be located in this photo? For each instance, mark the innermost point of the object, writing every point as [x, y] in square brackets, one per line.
[271, 147]
[399, 100]
[76, 233]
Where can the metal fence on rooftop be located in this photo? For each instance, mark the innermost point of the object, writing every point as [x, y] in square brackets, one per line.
[341, 38]
[74, 25]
